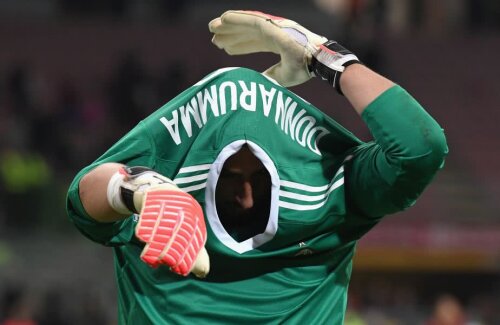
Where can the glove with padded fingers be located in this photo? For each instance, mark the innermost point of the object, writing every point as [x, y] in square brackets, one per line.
[303, 53]
[171, 222]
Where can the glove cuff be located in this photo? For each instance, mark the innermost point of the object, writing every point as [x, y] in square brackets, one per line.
[330, 61]
[124, 184]
[114, 195]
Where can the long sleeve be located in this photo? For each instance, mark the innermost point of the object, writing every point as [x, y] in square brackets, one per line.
[387, 175]
[134, 148]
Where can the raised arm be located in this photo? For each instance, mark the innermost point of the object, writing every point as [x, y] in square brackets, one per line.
[384, 176]
[361, 86]
[388, 174]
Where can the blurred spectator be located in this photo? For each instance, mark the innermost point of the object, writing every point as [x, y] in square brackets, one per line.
[447, 311]
[484, 307]
[17, 307]
[18, 89]
[130, 92]
[92, 309]
[51, 311]
[172, 81]
[114, 8]
[173, 9]
[483, 14]
[51, 123]
[18, 107]
[354, 307]
[24, 176]
[360, 24]
[403, 17]
[354, 318]
[25, 172]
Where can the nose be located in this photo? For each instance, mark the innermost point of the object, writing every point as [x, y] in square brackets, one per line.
[245, 198]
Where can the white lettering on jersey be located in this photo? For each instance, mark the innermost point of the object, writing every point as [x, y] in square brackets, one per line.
[248, 97]
[188, 112]
[267, 98]
[299, 126]
[172, 127]
[208, 99]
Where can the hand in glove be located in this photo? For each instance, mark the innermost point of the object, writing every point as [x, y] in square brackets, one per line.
[303, 54]
[171, 222]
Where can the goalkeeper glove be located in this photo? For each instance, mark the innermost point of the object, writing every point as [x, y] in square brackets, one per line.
[303, 54]
[171, 222]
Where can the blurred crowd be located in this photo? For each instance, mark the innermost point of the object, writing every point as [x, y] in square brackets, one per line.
[396, 305]
[21, 307]
[394, 300]
[49, 129]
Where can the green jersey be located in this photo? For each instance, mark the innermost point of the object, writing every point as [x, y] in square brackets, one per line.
[328, 188]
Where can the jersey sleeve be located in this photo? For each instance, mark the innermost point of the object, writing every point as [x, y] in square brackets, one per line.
[135, 148]
[388, 174]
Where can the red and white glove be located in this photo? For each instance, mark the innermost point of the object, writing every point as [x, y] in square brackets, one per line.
[171, 222]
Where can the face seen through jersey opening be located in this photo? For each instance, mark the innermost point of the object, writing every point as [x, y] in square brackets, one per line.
[243, 195]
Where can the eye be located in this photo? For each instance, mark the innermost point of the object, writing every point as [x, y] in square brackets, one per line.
[227, 175]
[261, 177]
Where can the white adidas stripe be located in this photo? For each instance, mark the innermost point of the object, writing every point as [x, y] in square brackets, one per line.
[309, 188]
[304, 207]
[335, 185]
[300, 207]
[309, 198]
[183, 180]
[303, 187]
[194, 187]
[194, 168]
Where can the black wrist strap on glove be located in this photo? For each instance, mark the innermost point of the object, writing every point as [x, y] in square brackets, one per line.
[138, 179]
[330, 61]
[127, 187]
[127, 194]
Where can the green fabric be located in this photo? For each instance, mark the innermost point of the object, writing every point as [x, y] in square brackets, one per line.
[328, 190]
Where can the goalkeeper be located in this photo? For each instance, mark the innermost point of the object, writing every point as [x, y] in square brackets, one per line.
[240, 202]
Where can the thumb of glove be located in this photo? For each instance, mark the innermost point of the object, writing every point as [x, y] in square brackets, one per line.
[201, 266]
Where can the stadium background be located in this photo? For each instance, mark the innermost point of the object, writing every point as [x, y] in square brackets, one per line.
[76, 74]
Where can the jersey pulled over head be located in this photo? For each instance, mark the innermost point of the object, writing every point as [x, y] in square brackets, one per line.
[254, 154]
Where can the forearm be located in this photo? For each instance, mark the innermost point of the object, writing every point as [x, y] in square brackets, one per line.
[361, 86]
[182, 245]
[93, 193]
[409, 149]
[397, 121]
[410, 139]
